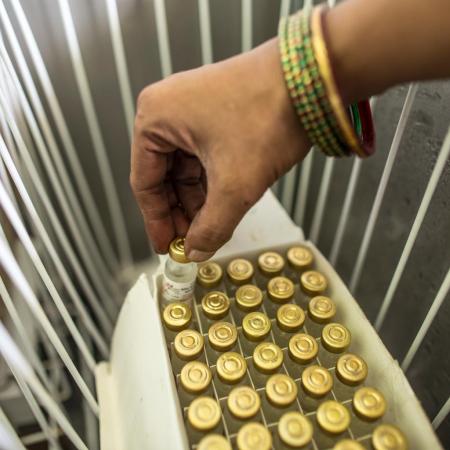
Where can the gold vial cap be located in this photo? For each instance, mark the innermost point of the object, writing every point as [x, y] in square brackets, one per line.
[389, 437]
[195, 377]
[270, 263]
[177, 316]
[280, 289]
[240, 271]
[290, 317]
[204, 413]
[295, 429]
[281, 390]
[333, 417]
[209, 274]
[369, 403]
[243, 402]
[300, 258]
[335, 337]
[256, 326]
[268, 357]
[188, 344]
[351, 369]
[222, 336]
[317, 381]
[348, 444]
[249, 297]
[303, 348]
[313, 282]
[254, 436]
[215, 304]
[214, 442]
[176, 251]
[321, 309]
[231, 367]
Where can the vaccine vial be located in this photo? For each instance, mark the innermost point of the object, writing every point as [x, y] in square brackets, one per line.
[179, 275]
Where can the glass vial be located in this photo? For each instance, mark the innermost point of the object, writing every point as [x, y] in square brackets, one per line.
[179, 275]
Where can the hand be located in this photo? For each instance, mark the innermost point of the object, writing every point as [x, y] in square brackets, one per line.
[208, 143]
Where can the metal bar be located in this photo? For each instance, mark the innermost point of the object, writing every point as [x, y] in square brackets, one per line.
[287, 196]
[285, 7]
[431, 314]
[302, 199]
[441, 415]
[17, 277]
[15, 358]
[79, 177]
[8, 436]
[106, 176]
[121, 64]
[247, 25]
[321, 200]
[77, 224]
[346, 207]
[420, 216]
[401, 126]
[205, 31]
[163, 38]
[58, 264]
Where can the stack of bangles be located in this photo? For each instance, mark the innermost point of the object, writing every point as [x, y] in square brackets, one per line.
[331, 126]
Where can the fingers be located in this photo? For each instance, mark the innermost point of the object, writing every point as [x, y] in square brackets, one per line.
[187, 179]
[148, 172]
[225, 205]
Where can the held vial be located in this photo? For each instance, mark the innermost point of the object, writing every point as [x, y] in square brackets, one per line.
[179, 275]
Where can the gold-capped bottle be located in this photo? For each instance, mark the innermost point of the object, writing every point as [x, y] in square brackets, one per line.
[179, 275]
[195, 377]
[351, 370]
[267, 359]
[231, 367]
[316, 382]
[270, 264]
[295, 429]
[204, 414]
[177, 316]
[243, 402]
[303, 348]
[240, 271]
[369, 406]
[214, 442]
[336, 338]
[281, 390]
[333, 417]
[348, 444]
[188, 345]
[255, 326]
[290, 318]
[313, 283]
[280, 290]
[254, 436]
[321, 310]
[215, 305]
[389, 437]
[222, 336]
[209, 278]
[300, 258]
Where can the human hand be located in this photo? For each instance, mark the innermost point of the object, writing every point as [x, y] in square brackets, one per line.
[208, 143]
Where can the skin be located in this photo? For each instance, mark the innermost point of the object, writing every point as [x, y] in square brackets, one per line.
[209, 142]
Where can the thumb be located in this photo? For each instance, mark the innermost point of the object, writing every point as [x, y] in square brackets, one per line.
[225, 205]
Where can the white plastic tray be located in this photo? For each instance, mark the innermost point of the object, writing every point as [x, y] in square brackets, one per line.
[139, 407]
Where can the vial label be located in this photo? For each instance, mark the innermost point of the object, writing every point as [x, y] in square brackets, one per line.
[177, 291]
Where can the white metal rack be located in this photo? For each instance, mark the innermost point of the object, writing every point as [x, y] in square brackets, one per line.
[61, 258]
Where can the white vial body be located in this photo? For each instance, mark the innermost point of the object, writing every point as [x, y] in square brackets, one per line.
[178, 282]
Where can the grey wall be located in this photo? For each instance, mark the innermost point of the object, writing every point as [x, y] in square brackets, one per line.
[430, 371]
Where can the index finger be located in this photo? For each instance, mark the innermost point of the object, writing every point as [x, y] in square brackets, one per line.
[148, 172]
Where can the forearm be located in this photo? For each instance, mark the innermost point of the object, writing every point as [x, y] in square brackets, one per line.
[379, 43]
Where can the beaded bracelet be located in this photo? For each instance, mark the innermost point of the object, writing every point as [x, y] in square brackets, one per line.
[309, 76]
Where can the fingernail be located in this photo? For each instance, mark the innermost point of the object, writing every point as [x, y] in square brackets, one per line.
[199, 256]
